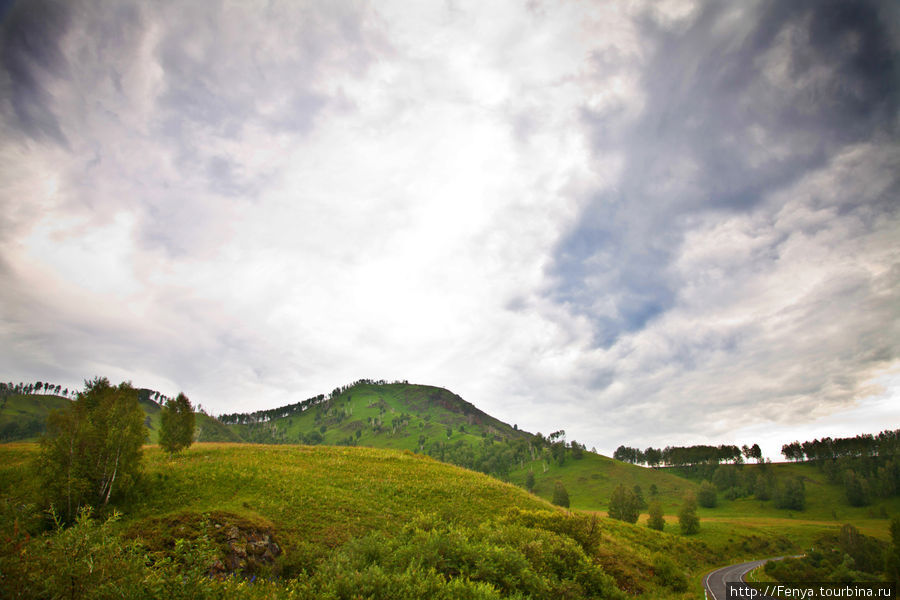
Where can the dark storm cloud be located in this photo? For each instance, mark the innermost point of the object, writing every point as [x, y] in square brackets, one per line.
[30, 55]
[737, 106]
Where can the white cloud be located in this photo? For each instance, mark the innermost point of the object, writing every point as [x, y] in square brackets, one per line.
[258, 203]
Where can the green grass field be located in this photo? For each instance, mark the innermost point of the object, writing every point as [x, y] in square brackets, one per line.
[317, 499]
[591, 480]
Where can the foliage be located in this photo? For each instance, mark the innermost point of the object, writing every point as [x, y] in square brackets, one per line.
[511, 558]
[560, 495]
[679, 456]
[886, 443]
[92, 450]
[754, 452]
[667, 573]
[791, 494]
[847, 557]
[856, 488]
[176, 425]
[892, 555]
[89, 560]
[687, 516]
[639, 497]
[656, 520]
[706, 496]
[624, 505]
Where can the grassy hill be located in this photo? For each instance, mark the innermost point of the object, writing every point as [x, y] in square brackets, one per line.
[370, 516]
[432, 420]
[386, 415]
[435, 421]
[591, 480]
[23, 418]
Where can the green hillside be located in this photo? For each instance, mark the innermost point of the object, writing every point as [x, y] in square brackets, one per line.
[591, 480]
[434, 421]
[419, 418]
[23, 417]
[373, 517]
[826, 506]
[385, 415]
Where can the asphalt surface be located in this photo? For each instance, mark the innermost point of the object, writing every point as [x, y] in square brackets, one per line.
[714, 582]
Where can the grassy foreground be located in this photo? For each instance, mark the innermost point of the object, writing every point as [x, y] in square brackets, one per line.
[351, 522]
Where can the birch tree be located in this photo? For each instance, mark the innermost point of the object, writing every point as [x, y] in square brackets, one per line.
[92, 450]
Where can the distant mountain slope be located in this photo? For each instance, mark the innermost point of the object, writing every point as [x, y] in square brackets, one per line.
[24, 416]
[385, 415]
[420, 418]
[435, 421]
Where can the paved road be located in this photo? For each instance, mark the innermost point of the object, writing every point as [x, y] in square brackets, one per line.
[714, 582]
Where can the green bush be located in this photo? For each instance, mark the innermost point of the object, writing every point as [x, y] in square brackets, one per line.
[791, 494]
[668, 574]
[687, 516]
[560, 495]
[656, 520]
[624, 505]
[89, 560]
[706, 497]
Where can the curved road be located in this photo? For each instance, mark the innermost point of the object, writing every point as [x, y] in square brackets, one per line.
[714, 582]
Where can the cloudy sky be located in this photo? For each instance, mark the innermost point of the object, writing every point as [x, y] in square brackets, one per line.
[645, 223]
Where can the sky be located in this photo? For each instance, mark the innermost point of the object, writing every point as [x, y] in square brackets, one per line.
[645, 223]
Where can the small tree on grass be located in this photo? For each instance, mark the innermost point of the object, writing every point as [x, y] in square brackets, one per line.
[707, 495]
[560, 495]
[791, 494]
[656, 520]
[176, 431]
[623, 505]
[529, 481]
[639, 497]
[92, 449]
[687, 516]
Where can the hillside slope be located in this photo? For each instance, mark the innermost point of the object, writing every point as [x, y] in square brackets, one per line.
[437, 422]
[23, 417]
[591, 480]
[385, 415]
[352, 508]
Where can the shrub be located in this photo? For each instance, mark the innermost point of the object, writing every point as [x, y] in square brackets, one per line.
[856, 489]
[791, 494]
[560, 495]
[668, 574]
[623, 505]
[656, 520]
[687, 517]
[707, 495]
